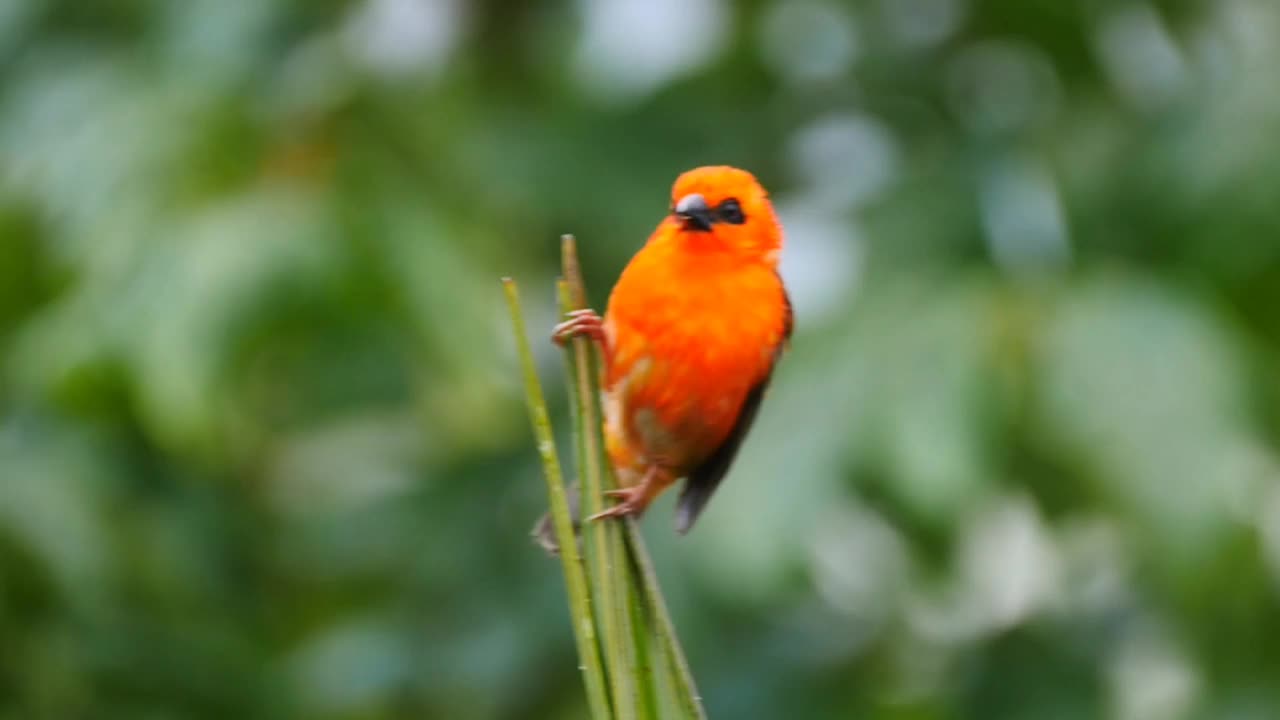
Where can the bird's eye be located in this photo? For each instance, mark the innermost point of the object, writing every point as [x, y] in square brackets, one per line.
[731, 212]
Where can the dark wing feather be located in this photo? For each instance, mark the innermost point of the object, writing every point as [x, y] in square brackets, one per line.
[789, 323]
[703, 481]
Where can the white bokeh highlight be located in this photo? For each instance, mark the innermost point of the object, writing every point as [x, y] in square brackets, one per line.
[630, 48]
[399, 37]
[809, 41]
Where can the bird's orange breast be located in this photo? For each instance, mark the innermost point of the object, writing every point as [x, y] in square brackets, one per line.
[690, 334]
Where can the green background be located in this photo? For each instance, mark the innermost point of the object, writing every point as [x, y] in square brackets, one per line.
[262, 447]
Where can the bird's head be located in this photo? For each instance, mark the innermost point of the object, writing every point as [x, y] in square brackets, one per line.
[725, 208]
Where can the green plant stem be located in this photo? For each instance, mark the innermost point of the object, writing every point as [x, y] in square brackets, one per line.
[648, 702]
[617, 618]
[584, 626]
[607, 551]
[686, 689]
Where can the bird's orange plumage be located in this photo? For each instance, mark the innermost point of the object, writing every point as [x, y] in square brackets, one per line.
[692, 332]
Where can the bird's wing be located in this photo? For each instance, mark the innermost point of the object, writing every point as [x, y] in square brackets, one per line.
[703, 481]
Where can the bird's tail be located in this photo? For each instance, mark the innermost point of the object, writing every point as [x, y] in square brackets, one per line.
[544, 531]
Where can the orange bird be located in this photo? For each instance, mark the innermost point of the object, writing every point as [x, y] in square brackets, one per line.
[693, 330]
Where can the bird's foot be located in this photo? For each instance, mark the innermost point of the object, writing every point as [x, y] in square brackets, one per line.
[633, 502]
[581, 323]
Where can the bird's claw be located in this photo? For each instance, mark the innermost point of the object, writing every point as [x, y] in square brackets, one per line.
[632, 504]
[581, 323]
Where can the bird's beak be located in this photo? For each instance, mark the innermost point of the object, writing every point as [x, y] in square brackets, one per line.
[693, 211]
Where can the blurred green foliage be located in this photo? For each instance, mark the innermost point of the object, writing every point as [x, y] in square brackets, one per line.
[262, 452]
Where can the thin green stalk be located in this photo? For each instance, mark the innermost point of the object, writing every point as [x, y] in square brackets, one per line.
[648, 699]
[584, 626]
[587, 535]
[620, 586]
[686, 689]
[595, 536]
[610, 564]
